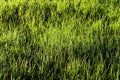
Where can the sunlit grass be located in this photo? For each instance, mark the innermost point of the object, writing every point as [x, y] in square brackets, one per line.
[59, 40]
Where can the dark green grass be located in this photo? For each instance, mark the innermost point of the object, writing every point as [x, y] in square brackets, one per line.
[60, 40]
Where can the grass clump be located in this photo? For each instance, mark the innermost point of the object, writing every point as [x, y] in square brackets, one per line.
[60, 40]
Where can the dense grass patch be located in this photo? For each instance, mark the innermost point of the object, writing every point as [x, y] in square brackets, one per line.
[60, 40]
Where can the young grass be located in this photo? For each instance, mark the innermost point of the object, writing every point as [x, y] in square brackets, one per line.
[59, 40]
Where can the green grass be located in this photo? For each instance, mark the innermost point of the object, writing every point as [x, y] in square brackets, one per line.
[60, 40]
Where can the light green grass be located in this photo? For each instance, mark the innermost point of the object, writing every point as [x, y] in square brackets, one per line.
[60, 40]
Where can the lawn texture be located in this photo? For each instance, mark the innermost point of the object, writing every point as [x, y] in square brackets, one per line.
[59, 40]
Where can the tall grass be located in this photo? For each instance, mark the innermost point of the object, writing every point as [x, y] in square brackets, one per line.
[60, 40]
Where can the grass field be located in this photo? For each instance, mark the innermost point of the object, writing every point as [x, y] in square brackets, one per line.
[60, 40]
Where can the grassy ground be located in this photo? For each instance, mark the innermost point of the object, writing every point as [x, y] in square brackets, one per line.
[60, 40]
